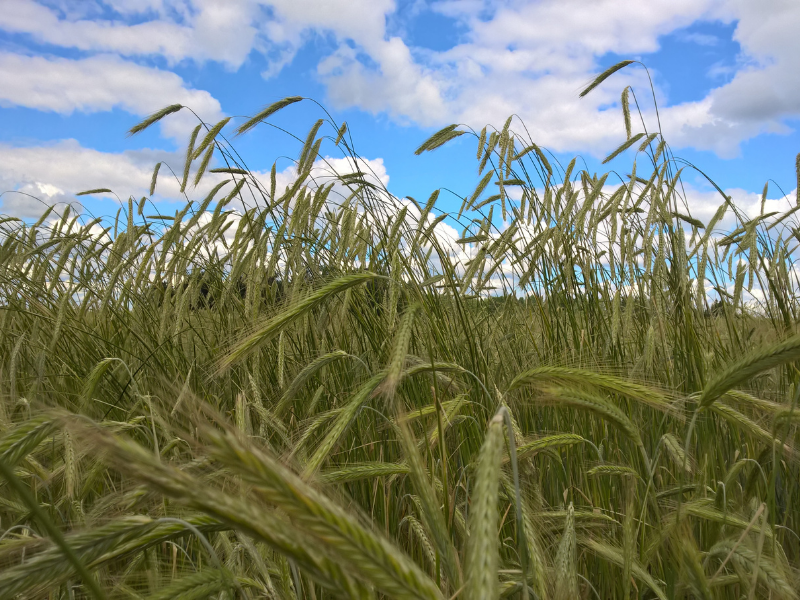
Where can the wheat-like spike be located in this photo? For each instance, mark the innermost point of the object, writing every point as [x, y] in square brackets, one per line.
[748, 426]
[260, 563]
[267, 112]
[229, 171]
[602, 408]
[622, 147]
[617, 470]
[281, 359]
[369, 555]
[431, 409]
[343, 421]
[704, 509]
[430, 507]
[738, 286]
[551, 441]
[234, 192]
[701, 279]
[205, 203]
[676, 452]
[33, 507]
[605, 75]
[566, 569]
[402, 338]
[274, 325]
[25, 438]
[662, 145]
[419, 531]
[626, 111]
[307, 373]
[745, 368]
[12, 367]
[199, 585]
[70, 465]
[689, 554]
[307, 156]
[797, 171]
[347, 548]
[358, 471]
[768, 572]
[643, 146]
[481, 142]
[210, 137]
[609, 383]
[482, 558]
[154, 178]
[96, 547]
[439, 138]
[450, 409]
[94, 191]
[310, 429]
[494, 137]
[189, 155]
[616, 556]
[154, 118]
[340, 134]
[539, 154]
[468, 204]
[203, 165]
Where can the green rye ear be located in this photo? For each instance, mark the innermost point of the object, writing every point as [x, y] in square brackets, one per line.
[439, 138]
[154, 118]
[752, 364]
[482, 546]
[605, 75]
[274, 326]
[154, 178]
[797, 170]
[270, 110]
[340, 135]
[626, 111]
[566, 576]
[95, 191]
[623, 147]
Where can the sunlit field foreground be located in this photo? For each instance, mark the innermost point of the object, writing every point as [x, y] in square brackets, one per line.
[323, 391]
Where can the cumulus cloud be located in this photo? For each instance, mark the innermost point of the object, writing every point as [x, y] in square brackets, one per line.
[764, 92]
[528, 58]
[532, 59]
[101, 83]
[32, 177]
[201, 30]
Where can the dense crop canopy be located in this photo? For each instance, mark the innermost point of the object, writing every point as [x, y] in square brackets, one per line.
[572, 388]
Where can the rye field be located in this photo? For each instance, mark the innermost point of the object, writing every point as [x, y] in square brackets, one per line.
[568, 388]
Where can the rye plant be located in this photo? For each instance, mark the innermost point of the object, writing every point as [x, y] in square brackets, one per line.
[321, 392]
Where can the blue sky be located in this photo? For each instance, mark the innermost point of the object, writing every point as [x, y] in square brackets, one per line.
[77, 74]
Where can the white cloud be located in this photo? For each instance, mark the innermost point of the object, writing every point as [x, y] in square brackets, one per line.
[528, 58]
[533, 58]
[209, 30]
[102, 83]
[34, 177]
[400, 86]
[56, 172]
[701, 39]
